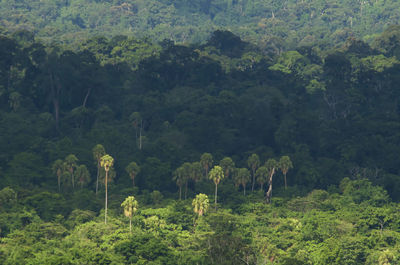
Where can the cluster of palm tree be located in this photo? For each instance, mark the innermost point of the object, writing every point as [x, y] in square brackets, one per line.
[255, 173]
[69, 172]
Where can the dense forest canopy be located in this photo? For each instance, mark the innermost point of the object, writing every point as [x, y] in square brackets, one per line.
[121, 148]
[270, 23]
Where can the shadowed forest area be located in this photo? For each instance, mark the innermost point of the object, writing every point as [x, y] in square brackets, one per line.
[129, 150]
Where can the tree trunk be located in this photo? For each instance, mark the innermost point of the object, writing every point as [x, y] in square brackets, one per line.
[244, 190]
[269, 192]
[133, 180]
[105, 213]
[216, 194]
[86, 97]
[180, 192]
[130, 224]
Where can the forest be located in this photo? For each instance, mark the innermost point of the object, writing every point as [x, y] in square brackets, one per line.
[124, 149]
[274, 25]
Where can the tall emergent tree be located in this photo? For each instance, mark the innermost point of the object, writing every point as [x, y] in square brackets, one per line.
[58, 169]
[216, 174]
[70, 164]
[130, 206]
[285, 164]
[200, 204]
[206, 161]
[227, 165]
[98, 152]
[271, 166]
[132, 169]
[253, 162]
[106, 162]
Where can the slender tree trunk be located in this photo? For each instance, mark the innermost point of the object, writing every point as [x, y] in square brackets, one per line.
[133, 180]
[254, 181]
[98, 173]
[130, 224]
[216, 194]
[269, 192]
[105, 213]
[86, 97]
[180, 192]
[244, 190]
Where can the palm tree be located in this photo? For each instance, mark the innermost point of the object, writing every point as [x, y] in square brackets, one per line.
[285, 164]
[82, 175]
[186, 171]
[130, 206]
[137, 123]
[98, 152]
[262, 176]
[179, 179]
[243, 177]
[253, 162]
[70, 163]
[206, 162]
[216, 174]
[196, 172]
[58, 169]
[200, 204]
[132, 169]
[227, 165]
[106, 162]
[271, 166]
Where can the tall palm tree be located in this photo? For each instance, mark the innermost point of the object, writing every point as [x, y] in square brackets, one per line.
[130, 206]
[200, 204]
[82, 175]
[106, 162]
[206, 161]
[243, 177]
[262, 176]
[132, 169]
[70, 163]
[98, 151]
[227, 165]
[253, 162]
[216, 174]
[179, 179]
[58, 169]
[285, 164]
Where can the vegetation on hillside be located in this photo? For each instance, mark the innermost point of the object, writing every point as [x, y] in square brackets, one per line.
[120, 150]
